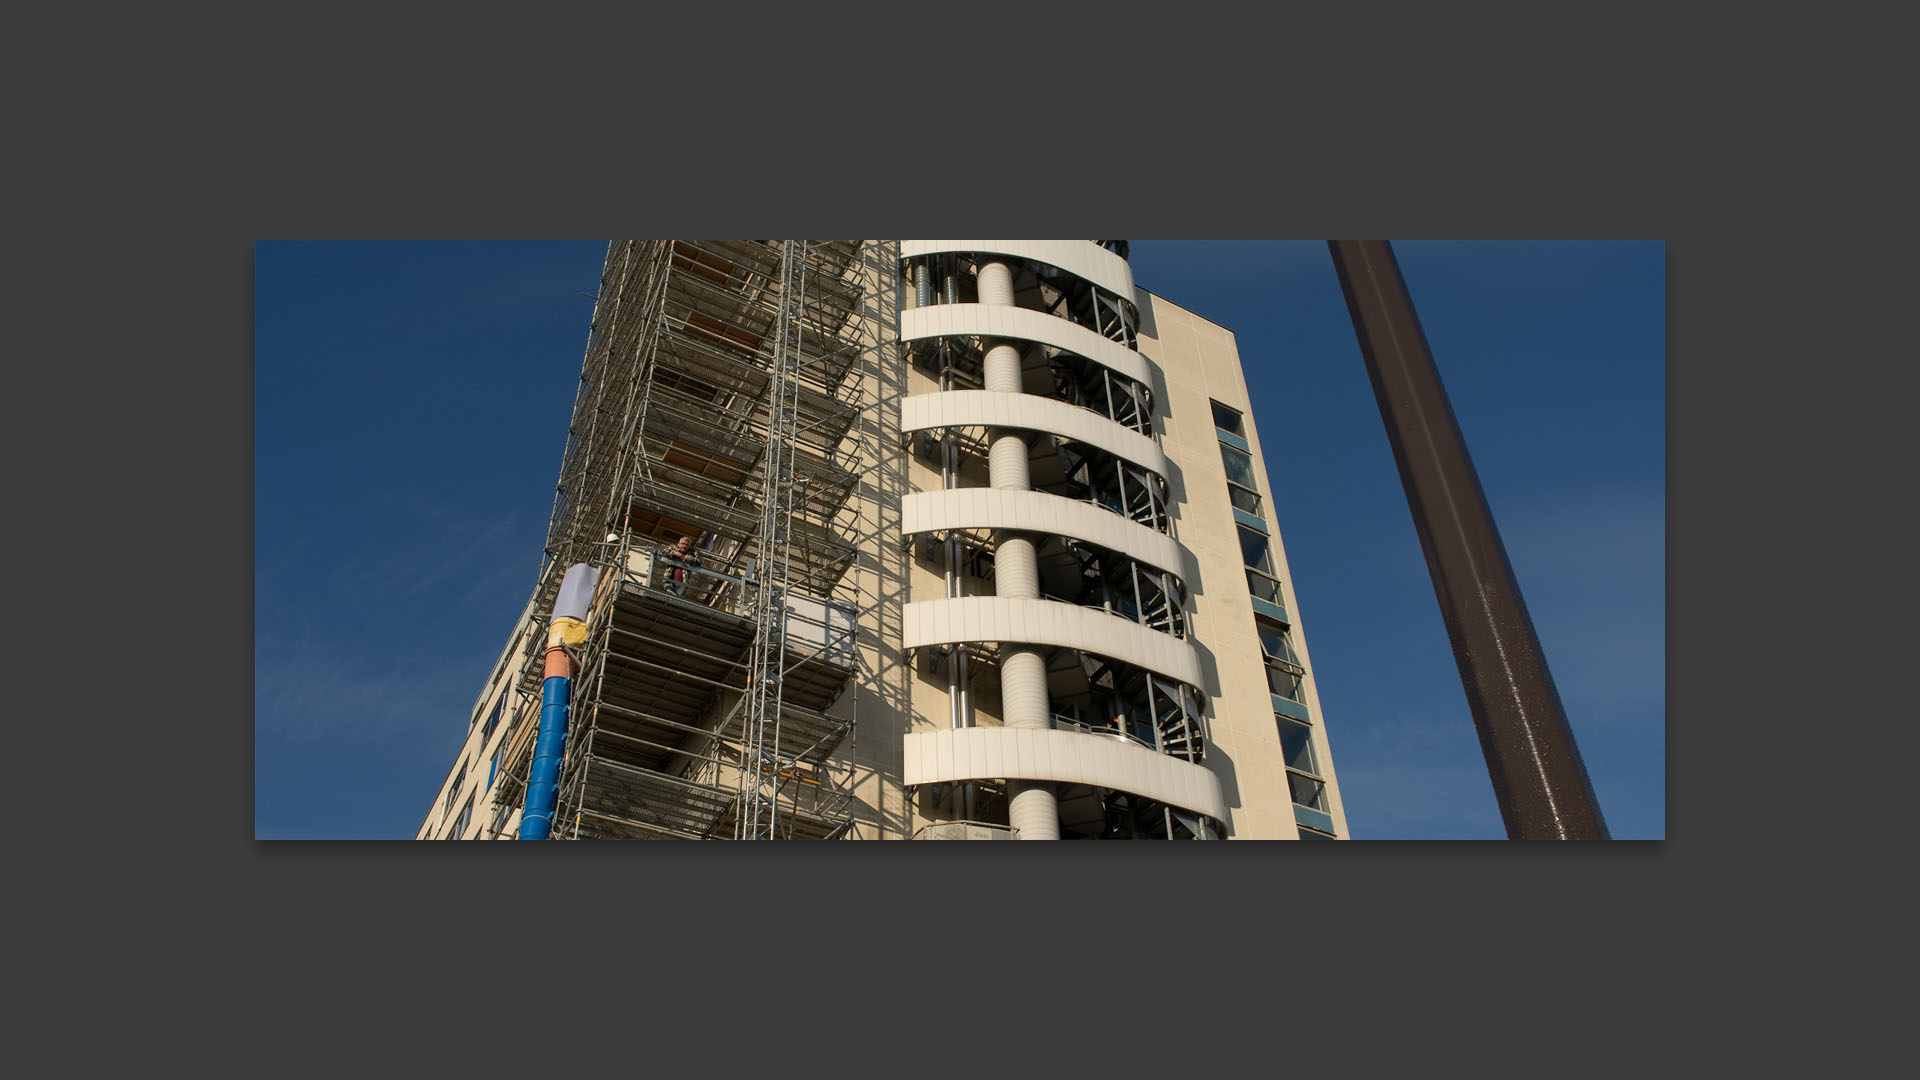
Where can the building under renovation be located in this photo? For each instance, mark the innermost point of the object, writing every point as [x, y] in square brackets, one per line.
[923, 539]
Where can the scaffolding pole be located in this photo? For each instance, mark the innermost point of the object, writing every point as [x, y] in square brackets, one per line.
[761, 768]
[715, 402]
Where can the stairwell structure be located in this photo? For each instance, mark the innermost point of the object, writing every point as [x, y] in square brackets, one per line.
[1051, 521]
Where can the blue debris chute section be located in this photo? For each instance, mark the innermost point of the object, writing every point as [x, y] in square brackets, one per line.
[567, 627]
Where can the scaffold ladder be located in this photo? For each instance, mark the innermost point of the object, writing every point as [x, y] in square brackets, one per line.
[761, 767]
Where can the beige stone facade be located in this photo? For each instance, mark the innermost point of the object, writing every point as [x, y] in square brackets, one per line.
[1199, 363]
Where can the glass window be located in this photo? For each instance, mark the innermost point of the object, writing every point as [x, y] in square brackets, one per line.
[1274, 641]
[1239, 466]
[1228, 420]
[1283, 682]
[493, 718]
[1244, 499]
[1255, 550]
[1296, 741]
[1313, 834]
[1264, 587]
[1308, 792]
[466, 814]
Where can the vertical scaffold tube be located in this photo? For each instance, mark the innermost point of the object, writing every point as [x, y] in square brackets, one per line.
[1032, 807]
[959, 678]
[567, 627]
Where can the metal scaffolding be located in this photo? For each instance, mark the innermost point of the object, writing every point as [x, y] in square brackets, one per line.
[760, 776]
[721, 400]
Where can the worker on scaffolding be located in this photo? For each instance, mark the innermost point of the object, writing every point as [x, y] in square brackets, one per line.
[684, 558]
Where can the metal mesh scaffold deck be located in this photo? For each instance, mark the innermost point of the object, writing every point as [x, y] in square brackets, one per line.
[721, 400]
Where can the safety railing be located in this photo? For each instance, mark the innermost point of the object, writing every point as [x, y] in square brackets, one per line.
[949, 825]
[813, 625]
[1063, 722]
[1161, 617]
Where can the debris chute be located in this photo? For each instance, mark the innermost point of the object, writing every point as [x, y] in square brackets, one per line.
[567, 627]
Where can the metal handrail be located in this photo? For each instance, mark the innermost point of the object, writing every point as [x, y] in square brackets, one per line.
[834, 637]
[1063, 722]
[1120, 611]
[964, 821]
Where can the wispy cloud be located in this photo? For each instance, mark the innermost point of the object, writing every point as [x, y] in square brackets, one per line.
[320, 694]
[1409, 794]
[389, 645]
[1415, 772]
[399, 572]
[1593, 566]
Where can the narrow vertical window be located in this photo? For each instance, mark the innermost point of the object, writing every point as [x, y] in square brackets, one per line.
[1229, 421]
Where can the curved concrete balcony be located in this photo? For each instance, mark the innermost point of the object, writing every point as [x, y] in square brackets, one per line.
[1040, 512]
[1048, 622]
[1021, 324]
[1087, 261]
[1071, 757]
[1031, 412]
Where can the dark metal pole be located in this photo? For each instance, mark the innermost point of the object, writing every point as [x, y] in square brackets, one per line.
[1538, 776]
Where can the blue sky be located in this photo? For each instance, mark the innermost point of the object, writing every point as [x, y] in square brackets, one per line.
[411, 400]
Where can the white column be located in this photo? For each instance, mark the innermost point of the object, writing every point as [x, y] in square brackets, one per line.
[1032, 807]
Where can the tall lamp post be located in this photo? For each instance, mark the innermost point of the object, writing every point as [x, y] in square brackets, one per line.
[1538, 777]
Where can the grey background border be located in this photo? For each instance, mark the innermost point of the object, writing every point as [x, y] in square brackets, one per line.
[416, 132]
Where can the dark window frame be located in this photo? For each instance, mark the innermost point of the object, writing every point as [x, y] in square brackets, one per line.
[1302, 730]
[466, 817]
[1264, 543]
[1251, 472]
[1318, 791]
[1239, 427]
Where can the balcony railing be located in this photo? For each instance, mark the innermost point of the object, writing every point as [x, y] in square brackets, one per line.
[959, 830]
[813, 624]
[1063, 722]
